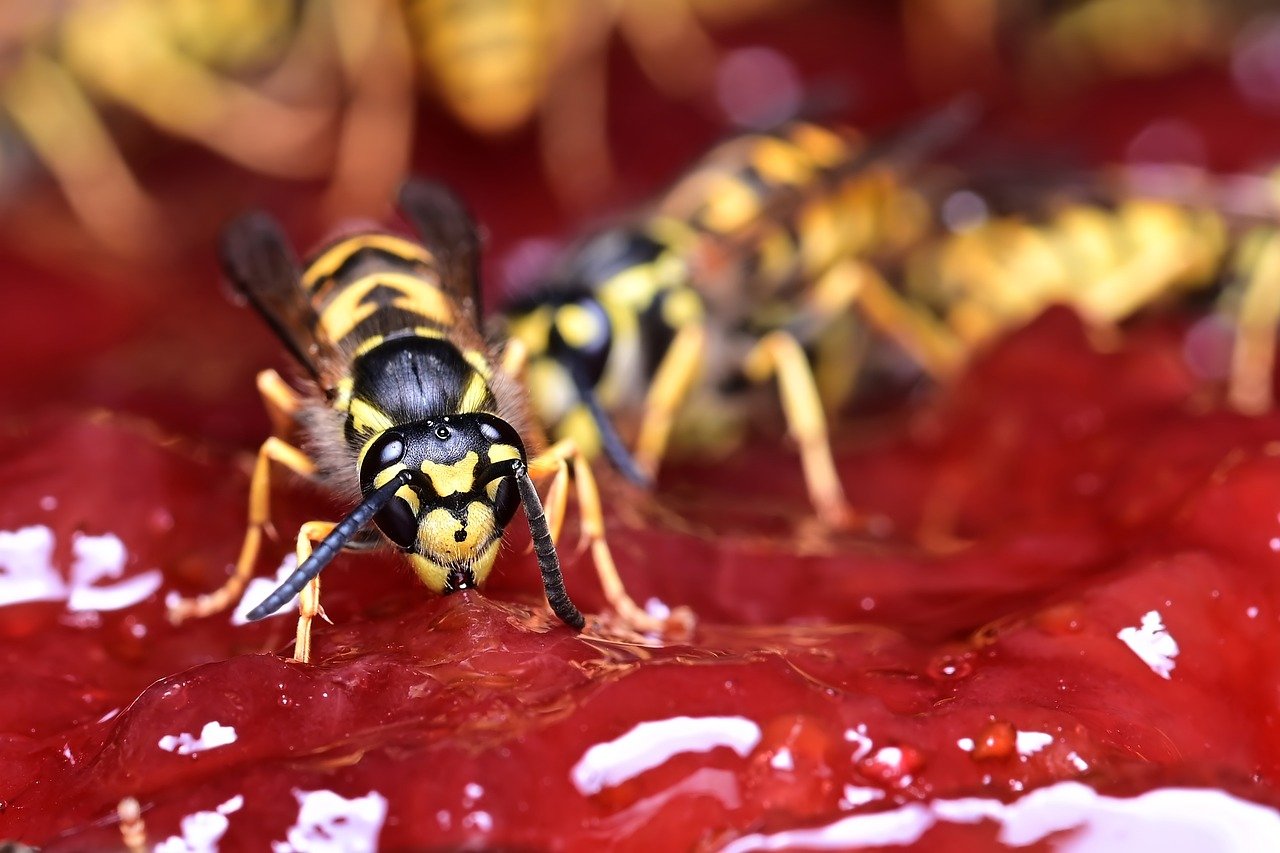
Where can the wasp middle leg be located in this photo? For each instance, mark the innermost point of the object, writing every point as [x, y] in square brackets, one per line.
[282, 403]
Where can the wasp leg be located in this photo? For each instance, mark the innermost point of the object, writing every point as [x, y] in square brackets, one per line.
[67, 135]
[309, 599]
[281, 401]
[1253, 356]
[855, 285]
[272, 450]
[133, 830]
[377, 131]
[779, 353]
[184, 98]
[561, 458]
[671, 383]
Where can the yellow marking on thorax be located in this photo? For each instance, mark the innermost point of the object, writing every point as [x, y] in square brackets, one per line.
[825, 147]
[479, 362]
[633, 288]
[367, 418]
[416, 295]
[329, 262]
[475, 395]
[577, 325]
[452, 477]
[780, 163]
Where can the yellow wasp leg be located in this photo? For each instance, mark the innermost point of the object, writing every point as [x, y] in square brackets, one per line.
[854, 284]
[309, 598]
[272, 450]
[281, 401]
[65, 132]
[779, 353]
[671, 383]
[1254, 352]
[186, 99]
[558, 459]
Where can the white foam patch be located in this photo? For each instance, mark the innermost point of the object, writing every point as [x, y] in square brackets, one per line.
[212, 736]
[1029, 743]
[1171, 820]
[98, 558]
[331, 823]
[1152, 643]
[27, 572]
[26, 566]
[202, 831]
[651, 744]
[259, 588]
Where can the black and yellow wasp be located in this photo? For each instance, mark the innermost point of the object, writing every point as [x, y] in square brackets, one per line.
[405, 411]
[744, 269]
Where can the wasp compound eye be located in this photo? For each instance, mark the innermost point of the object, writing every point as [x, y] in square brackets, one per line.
[385, 452]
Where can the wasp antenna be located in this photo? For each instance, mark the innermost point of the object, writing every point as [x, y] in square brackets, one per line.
[545, 550]
[330, 546]
[610, 442]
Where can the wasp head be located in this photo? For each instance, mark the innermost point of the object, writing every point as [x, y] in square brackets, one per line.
[451, 514]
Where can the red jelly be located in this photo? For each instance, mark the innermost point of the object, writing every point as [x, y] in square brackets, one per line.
[1093, 652]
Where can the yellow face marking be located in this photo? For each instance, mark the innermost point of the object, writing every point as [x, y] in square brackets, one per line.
[439, 532]
[780, 163]
[366, 419]
[415, 295]
[579, 326]
[328, 263]
[476, 394]
[454, 477]
[384, 476]
[502, 452]
[409, 496]
[433, 575]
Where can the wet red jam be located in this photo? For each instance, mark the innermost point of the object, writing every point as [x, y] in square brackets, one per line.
[1093, 617]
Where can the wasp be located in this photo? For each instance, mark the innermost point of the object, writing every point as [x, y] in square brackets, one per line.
[243, 78]
[735, 275]
[405, 412]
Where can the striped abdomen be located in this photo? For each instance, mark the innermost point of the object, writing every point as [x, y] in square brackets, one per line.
[380, 300]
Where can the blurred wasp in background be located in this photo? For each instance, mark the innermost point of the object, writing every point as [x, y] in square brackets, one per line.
[404, 411]
[499, 64]
[739, 272]
[239, 77]
[1109, 246]
[1053, 45]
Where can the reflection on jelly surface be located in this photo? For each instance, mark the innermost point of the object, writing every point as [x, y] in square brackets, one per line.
[1099, 656]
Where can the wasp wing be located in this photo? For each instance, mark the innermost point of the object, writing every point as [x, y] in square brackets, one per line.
[447, 229]
[257, 259]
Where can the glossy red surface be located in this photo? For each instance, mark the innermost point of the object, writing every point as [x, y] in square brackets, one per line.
[830, 674]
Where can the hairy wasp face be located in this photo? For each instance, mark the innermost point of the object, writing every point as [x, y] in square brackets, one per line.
[450, 517]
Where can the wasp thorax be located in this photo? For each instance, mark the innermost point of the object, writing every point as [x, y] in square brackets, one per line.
[452, 513]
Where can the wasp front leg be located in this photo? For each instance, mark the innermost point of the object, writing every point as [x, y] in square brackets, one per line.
[778, 353]
[674, 377]
[309, 599]
[562, 460]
